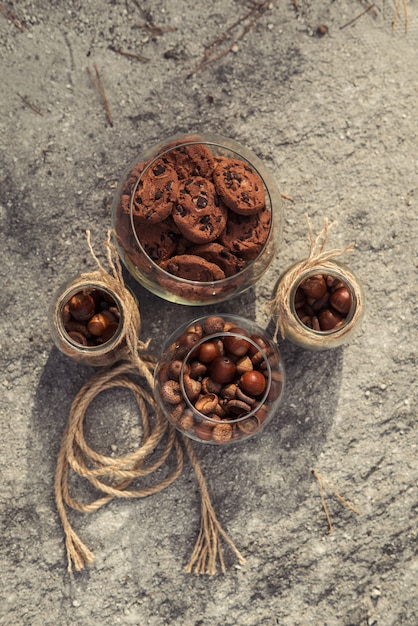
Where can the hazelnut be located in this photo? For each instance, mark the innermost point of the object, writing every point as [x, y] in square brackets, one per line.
[229, 391]
[208, 352]
[210, 386]
[220, 345]
[300, 298]
[66, 314]
[236, 346]
[341, 300]
[272, 359]
[304, 318]
[206, 404]
[162, 374]
[174, 369]
[177, 412]
[333, 283]
[111, 318]
[195, 328]
[186, 421]
[78, 327]
[259, 341]
[213, 324]
[238, 407]
[261, 413]
[257, 359]
[82, 306]
[192, 387]
[222, 369]
[185, 343]
[109, 331]
[276, 386]
[243, 364]
[197, 370]
[253, 383]
[203, 430]
[315, 323]
[219, 412]
[240, 395]
[222, 432]
[78, 337]
[321, 303]
[171, 392]
[328, 319]
[314, 286]
[97, 324]
[249, 426]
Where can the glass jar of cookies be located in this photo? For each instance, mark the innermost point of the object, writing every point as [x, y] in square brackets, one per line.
[220, 379]
[198, 219]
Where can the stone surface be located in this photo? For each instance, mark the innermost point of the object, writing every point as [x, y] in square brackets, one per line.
[333, 117]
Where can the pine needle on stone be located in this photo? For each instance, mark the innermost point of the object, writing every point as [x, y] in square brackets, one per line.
[321, 482]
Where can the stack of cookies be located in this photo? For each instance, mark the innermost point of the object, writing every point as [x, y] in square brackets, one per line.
[198, 216]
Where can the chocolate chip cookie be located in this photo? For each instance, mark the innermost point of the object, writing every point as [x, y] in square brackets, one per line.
[156, 193]
[199, 213]
[214, 252]
[239, 186]
[133, 176]
[190, 160]
[244, 235]
[192, 267]
[159, 240]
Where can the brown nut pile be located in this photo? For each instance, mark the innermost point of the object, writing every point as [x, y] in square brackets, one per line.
[322, 302]
[90, 317]
[224, 379]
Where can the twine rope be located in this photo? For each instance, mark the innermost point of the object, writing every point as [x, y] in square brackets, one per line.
[119, 472]
[321, 481]
[132, 321]
[112, 476]
[208, 547]
[317, 256]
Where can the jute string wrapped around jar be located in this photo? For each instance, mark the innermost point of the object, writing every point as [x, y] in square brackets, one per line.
[112, 476]
[318, 257]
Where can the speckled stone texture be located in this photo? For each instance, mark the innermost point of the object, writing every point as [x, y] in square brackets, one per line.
[334, 119]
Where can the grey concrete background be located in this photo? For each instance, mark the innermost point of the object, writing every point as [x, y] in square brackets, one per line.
[334, 118]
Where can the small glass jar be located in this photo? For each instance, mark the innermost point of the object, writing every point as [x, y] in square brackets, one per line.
[320, 307]
[155, 252]
[88, 320]
[220, 379]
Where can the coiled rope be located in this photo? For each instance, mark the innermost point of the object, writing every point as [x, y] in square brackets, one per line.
[112, 476]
